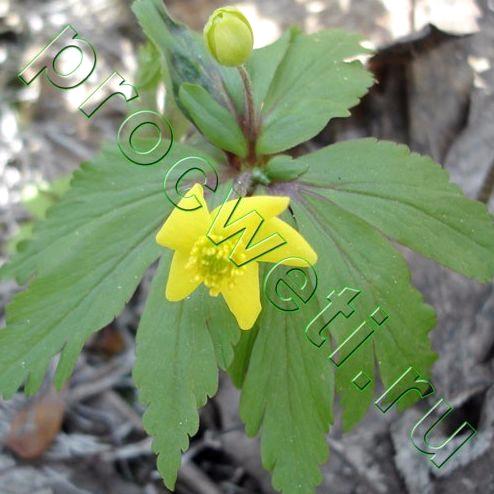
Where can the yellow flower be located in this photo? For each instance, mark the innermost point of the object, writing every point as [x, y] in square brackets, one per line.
[198, 259]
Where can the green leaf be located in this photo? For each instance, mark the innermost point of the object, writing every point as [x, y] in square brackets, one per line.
[24, 233]
[409, 199]
[352, 254]
[263, 63]
[287, 395]
[102, 191]
[179, 346]
[212, 119]
[37, 201]
[89, 255]
[284, 168]
[312, 85]
[148, 67]
[356, 194]
[152, 75]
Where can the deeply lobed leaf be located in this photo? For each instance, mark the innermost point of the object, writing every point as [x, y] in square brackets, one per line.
[88, 257]
[176, 365]
[313, 84]
[287, 397]
[409, 199]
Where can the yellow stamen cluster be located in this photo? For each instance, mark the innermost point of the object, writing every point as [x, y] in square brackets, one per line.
[210, 264]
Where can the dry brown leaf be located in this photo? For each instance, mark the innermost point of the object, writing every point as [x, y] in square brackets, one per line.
[109, 341]
[34, 427]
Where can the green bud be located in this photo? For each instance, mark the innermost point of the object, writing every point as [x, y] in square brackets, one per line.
[229, 37]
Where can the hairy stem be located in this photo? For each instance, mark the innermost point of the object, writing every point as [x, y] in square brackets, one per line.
[250, 120]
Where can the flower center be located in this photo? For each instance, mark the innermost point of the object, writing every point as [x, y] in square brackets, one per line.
[210, 263]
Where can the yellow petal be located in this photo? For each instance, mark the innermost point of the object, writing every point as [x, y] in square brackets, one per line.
[242, 218]
[181, 282]
[267, 206]
[296, 245]
[183, 227]
[244, 299]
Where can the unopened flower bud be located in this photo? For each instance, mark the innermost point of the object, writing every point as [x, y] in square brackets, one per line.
[229, 37]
